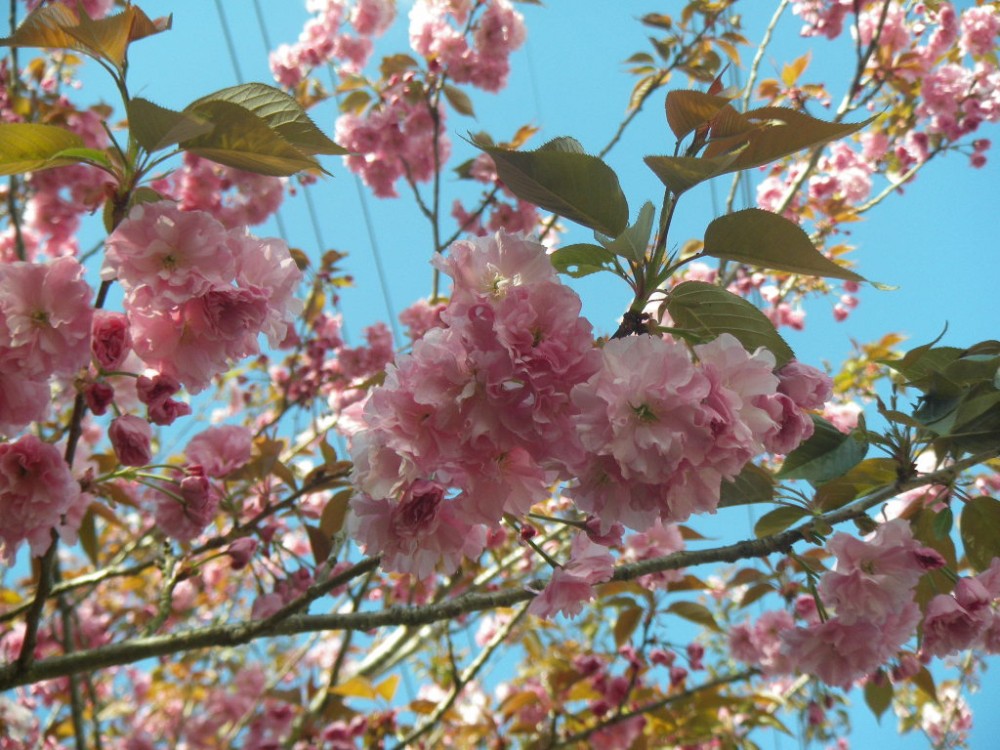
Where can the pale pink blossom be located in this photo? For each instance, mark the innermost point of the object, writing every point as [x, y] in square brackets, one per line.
[36, 491]
[220, 450]
[163, 256]
[45, 318]
[980, 26]
[571, 585]
[22, 401]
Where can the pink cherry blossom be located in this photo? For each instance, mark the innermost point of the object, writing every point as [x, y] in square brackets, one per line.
[806, 386]
[980, 26]
[419, 533]
[36, 490]
[186, 506]
[45, 318]
[111, 341]
[155, 392]
[220, 450]
[163, 256]
[571, 585]
[130, 436]
[22, 401]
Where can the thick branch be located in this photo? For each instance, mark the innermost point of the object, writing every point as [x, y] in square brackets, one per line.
[240, 634]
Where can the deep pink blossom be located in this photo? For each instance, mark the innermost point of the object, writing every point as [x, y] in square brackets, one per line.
[130, 437]
[186, 506]
[111, 341]
[36, 490]
[22, 401]
[156, 393]
[419, 533]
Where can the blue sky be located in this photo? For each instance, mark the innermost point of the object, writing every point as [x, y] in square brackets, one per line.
[937, 243]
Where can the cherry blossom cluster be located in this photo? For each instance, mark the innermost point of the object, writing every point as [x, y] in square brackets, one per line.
[439, 30]
[234, 197]
[198, 295]
[324, 38]
[511, 395]
[866, 616]
[397, 138]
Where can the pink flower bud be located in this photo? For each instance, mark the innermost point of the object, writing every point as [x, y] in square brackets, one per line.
[99, 397]
[110, 340]
[241, 552]
[130, 437]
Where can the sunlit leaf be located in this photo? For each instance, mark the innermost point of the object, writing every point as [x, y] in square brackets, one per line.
[156, 127]
[28, 147]
[279, 111]
[109, 37]
[761, 238]
[355, 687]
[709, 309]
[241, 139]
[334, 513]
[387, 688]
[869, 475]
[561, 178]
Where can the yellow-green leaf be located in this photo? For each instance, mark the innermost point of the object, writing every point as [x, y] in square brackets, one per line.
[764, 239]
[826, 455]
[279, 111]
[28, 147]
[980, 528]
[878, 695]
[779, 519]
[109, 38]
[156, 127]
[459, 100]
[387, 688]
[334, 513]
[355, 687]
[45, 27]
[710, 310]
[241, 139]
[869, 475]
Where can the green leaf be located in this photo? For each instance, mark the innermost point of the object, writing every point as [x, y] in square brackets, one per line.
[979, 525]
[878, 696]
[708, 309]
[281, 112]
[868, 476]
[242, 140]
[582, 260]
[779, 519]
[459, 100]
[632, 243]
[761, 238]
[753, 485]
[826, 455]
[562, 179]
[681, 173]
[156, 127]
[696, 613]
[28, 147]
